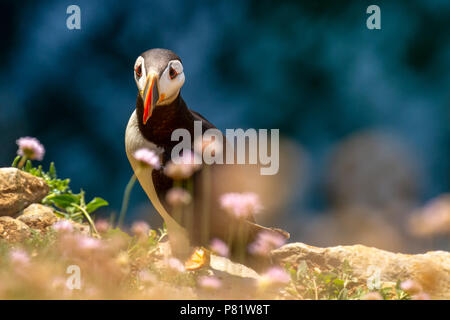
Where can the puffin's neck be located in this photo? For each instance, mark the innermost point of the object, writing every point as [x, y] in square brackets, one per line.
[164, 120]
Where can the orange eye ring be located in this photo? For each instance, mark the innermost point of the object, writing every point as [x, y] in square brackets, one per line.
[138, 71]
[172, 73]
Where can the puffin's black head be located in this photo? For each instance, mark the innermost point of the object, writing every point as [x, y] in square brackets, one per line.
[159, 77]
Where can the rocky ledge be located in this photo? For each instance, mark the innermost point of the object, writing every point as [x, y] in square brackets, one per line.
[20, 208]
[19, 189]
[431, 270]
[21, 213]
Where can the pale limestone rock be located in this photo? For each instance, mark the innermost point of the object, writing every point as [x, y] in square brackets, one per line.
[38, 216]
[19, 189]
[13, 230]
[431, 269]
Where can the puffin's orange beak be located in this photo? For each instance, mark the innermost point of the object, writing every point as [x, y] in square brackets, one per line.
[150, 96]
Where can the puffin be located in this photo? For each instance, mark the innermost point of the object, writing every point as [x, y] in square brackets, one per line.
[160, 110]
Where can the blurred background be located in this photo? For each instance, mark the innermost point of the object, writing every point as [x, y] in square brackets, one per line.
[363, 114]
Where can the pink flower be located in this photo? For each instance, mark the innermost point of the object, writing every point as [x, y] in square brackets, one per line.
[421, 296]
[241, 205]
[88, 243]
[31, 148]
[175, 264]
[146, 277]
[265, 242]
[182, 167]
[147, 158]
[372, 296]
[219, 247]
[178, 197]
[102, 225]
[19, 257]
[210, 283]
[140, 229]
[411, 286]
[63, 226]
[275, 275]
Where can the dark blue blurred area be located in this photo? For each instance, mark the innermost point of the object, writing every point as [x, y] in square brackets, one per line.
[310, 68]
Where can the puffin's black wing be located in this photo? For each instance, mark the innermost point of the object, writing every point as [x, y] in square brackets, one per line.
[198, 117]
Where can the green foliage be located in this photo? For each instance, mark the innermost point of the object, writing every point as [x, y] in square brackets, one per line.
[333, 284]
[66, 203]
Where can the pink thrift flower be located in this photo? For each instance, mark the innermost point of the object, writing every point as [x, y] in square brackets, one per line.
[219, 247]
[63, 226]
[241, 205]
[182, 167]
[140, 229]
[275, 275]
[210, 283]
[421, 296]
[178, 197]
[175, 264]
[265, 242]
[88, 243]
[146, 277]
[147, 158]
[372, 296]
[411, 286]
[102, 225]
[19, 257]
[31, 148]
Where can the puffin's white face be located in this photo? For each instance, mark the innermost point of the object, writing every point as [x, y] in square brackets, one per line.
[157, 88]
[169, 83]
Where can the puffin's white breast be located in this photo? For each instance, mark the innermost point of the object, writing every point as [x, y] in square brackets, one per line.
[134, 140]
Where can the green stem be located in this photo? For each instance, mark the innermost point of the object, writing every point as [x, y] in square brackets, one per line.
[22, 162]
[126, 198]
[230, 237]
[206, 205]
[242, 240]
[88, 217]
[190, 213]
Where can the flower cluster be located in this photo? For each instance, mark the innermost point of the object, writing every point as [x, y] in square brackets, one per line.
[140, 229]
[241, 205]
[219, 247]
[63, 226]
[147, 158]
[209, 282]
[182, 167]
[274, 276]
[414, 289]
[30, 148]
[178, 197]
[265, 242]
[175, 264]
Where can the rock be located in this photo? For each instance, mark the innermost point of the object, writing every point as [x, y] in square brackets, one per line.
[18, 189]
[431, 269]
[232, 268]
[38, 216]
[13, 230]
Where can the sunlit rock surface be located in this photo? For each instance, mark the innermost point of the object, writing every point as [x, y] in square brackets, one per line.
[13, 230]
[431, 269]
[18, 189]
[38, 216]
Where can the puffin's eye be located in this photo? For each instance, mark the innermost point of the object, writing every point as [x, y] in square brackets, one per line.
[138, 71]
[172, 73]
